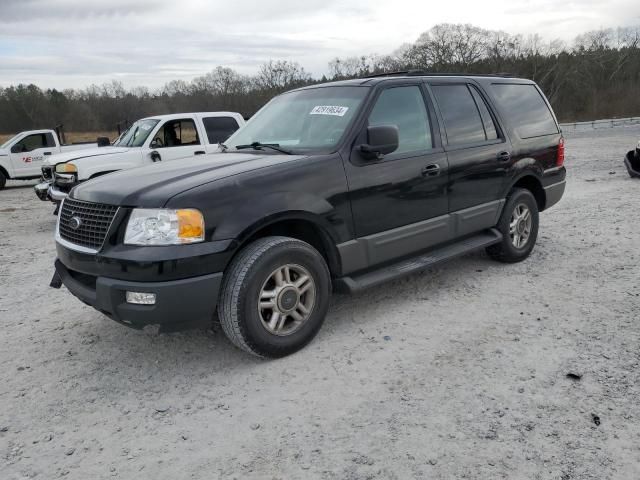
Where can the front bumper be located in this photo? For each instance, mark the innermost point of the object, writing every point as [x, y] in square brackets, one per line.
[180, 304]
[48, 191]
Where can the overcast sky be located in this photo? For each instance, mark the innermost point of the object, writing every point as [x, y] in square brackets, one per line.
[74, 43]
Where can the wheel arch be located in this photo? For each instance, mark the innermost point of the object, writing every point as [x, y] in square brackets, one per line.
[302, 226]
[5, 172]
[531, 182]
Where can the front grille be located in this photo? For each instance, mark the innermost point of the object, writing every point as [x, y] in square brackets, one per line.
[47, 173]
[94, 221]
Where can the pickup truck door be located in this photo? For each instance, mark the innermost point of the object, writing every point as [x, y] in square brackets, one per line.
[399, 202]
[176, 139]
[28, 153]
[479, 155]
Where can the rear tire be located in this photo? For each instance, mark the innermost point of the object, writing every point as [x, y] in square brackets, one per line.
[3, 180]
[274, 297]
[519, 227]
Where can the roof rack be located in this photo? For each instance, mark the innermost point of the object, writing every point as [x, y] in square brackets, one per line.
[411, 73]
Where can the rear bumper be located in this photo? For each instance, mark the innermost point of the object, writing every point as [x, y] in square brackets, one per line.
[553, 193]
[180, 304]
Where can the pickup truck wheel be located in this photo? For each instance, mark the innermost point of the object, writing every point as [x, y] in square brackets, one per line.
[3, 180]
[274, 297]
[519, 227]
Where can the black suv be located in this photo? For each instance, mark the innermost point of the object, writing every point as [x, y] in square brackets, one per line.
[338, 186]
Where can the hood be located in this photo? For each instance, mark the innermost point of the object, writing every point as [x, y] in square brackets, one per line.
[153, 185]
[83, 153]
[4, 152]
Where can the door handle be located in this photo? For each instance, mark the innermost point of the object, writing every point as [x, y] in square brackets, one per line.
[199, 152]
[47, 153]
[503, 156]
[432, 170]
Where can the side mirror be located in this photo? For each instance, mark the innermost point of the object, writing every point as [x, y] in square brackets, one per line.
[155, 156]
[17, 148]
[382, 140]
[103, 141]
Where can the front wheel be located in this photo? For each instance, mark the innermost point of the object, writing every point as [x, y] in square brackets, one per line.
[3, 179]
[275, 296]
[519, 227]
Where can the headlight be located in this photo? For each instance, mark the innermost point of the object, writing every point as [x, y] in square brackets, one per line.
[150, 226]
[66, 168]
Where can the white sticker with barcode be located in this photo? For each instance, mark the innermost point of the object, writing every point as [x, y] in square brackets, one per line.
[329, 110]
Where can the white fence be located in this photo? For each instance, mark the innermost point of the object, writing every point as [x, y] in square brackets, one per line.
[595, 124]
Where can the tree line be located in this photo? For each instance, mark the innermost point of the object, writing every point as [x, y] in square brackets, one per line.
[596, 76]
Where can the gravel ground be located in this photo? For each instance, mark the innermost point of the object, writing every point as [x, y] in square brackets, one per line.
[460, 372]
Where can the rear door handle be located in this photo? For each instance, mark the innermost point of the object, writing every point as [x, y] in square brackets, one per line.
[503, 156]
[432, 170]
[47, 153]
[199, 152]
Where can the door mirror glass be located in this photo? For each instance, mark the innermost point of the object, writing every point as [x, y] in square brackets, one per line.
[382, 140]
[155, 156]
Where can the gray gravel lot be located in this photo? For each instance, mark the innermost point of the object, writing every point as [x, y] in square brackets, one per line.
[459, 372]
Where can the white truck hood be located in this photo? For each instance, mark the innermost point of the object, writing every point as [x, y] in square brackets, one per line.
[4, 152]
[86, 153]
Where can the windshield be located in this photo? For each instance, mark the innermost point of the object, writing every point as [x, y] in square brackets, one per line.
[137, 133]
[8, 142]
[304, 120]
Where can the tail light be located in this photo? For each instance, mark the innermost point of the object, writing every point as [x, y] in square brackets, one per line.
[560, 154]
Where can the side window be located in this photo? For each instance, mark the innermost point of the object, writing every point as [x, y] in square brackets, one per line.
[487, 120]
[525, 109]
[219, 128]
[461, 116]
[405, 108]
[176, 133]
[32, 142]
[50, 141]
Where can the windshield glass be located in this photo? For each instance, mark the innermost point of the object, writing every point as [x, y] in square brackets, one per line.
[8, 142]
[303, 121]
[137, 133]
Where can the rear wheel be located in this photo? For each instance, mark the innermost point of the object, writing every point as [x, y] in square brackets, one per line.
[3, 179]
[275, 296]
[519, 227]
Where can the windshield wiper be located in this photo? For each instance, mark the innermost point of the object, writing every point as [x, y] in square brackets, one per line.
[260, 146]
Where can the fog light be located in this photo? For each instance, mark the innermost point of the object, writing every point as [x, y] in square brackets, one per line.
[141, 298]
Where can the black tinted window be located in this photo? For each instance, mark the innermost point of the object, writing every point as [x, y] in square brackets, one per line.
[461, 117]
[32, 142]
[525, 109]
[50, 141]
[219, 128]
[487, 119]
[404, 107]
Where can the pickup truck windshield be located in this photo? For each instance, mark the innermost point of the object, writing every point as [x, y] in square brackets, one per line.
[302, 121]
[137, 133]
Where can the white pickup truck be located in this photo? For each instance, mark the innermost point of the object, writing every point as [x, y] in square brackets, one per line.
[152, 139]
[22, 156]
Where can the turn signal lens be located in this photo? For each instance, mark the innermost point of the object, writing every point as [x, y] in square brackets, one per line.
[190, 225]
[66, 168]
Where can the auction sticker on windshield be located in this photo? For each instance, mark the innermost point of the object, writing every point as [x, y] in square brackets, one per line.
[329, 110]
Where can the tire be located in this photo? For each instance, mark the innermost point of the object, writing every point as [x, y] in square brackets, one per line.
[512, 249]
[252, 280]
[3, 179]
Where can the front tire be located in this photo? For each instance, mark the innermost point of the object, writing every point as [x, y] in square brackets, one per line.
[275, 296]
[518, 224]
[3, 180]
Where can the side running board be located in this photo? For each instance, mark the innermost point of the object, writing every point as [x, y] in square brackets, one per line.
[408, 266]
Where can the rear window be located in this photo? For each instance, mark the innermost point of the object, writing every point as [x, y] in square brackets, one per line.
[219, 128]
[525, 110]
